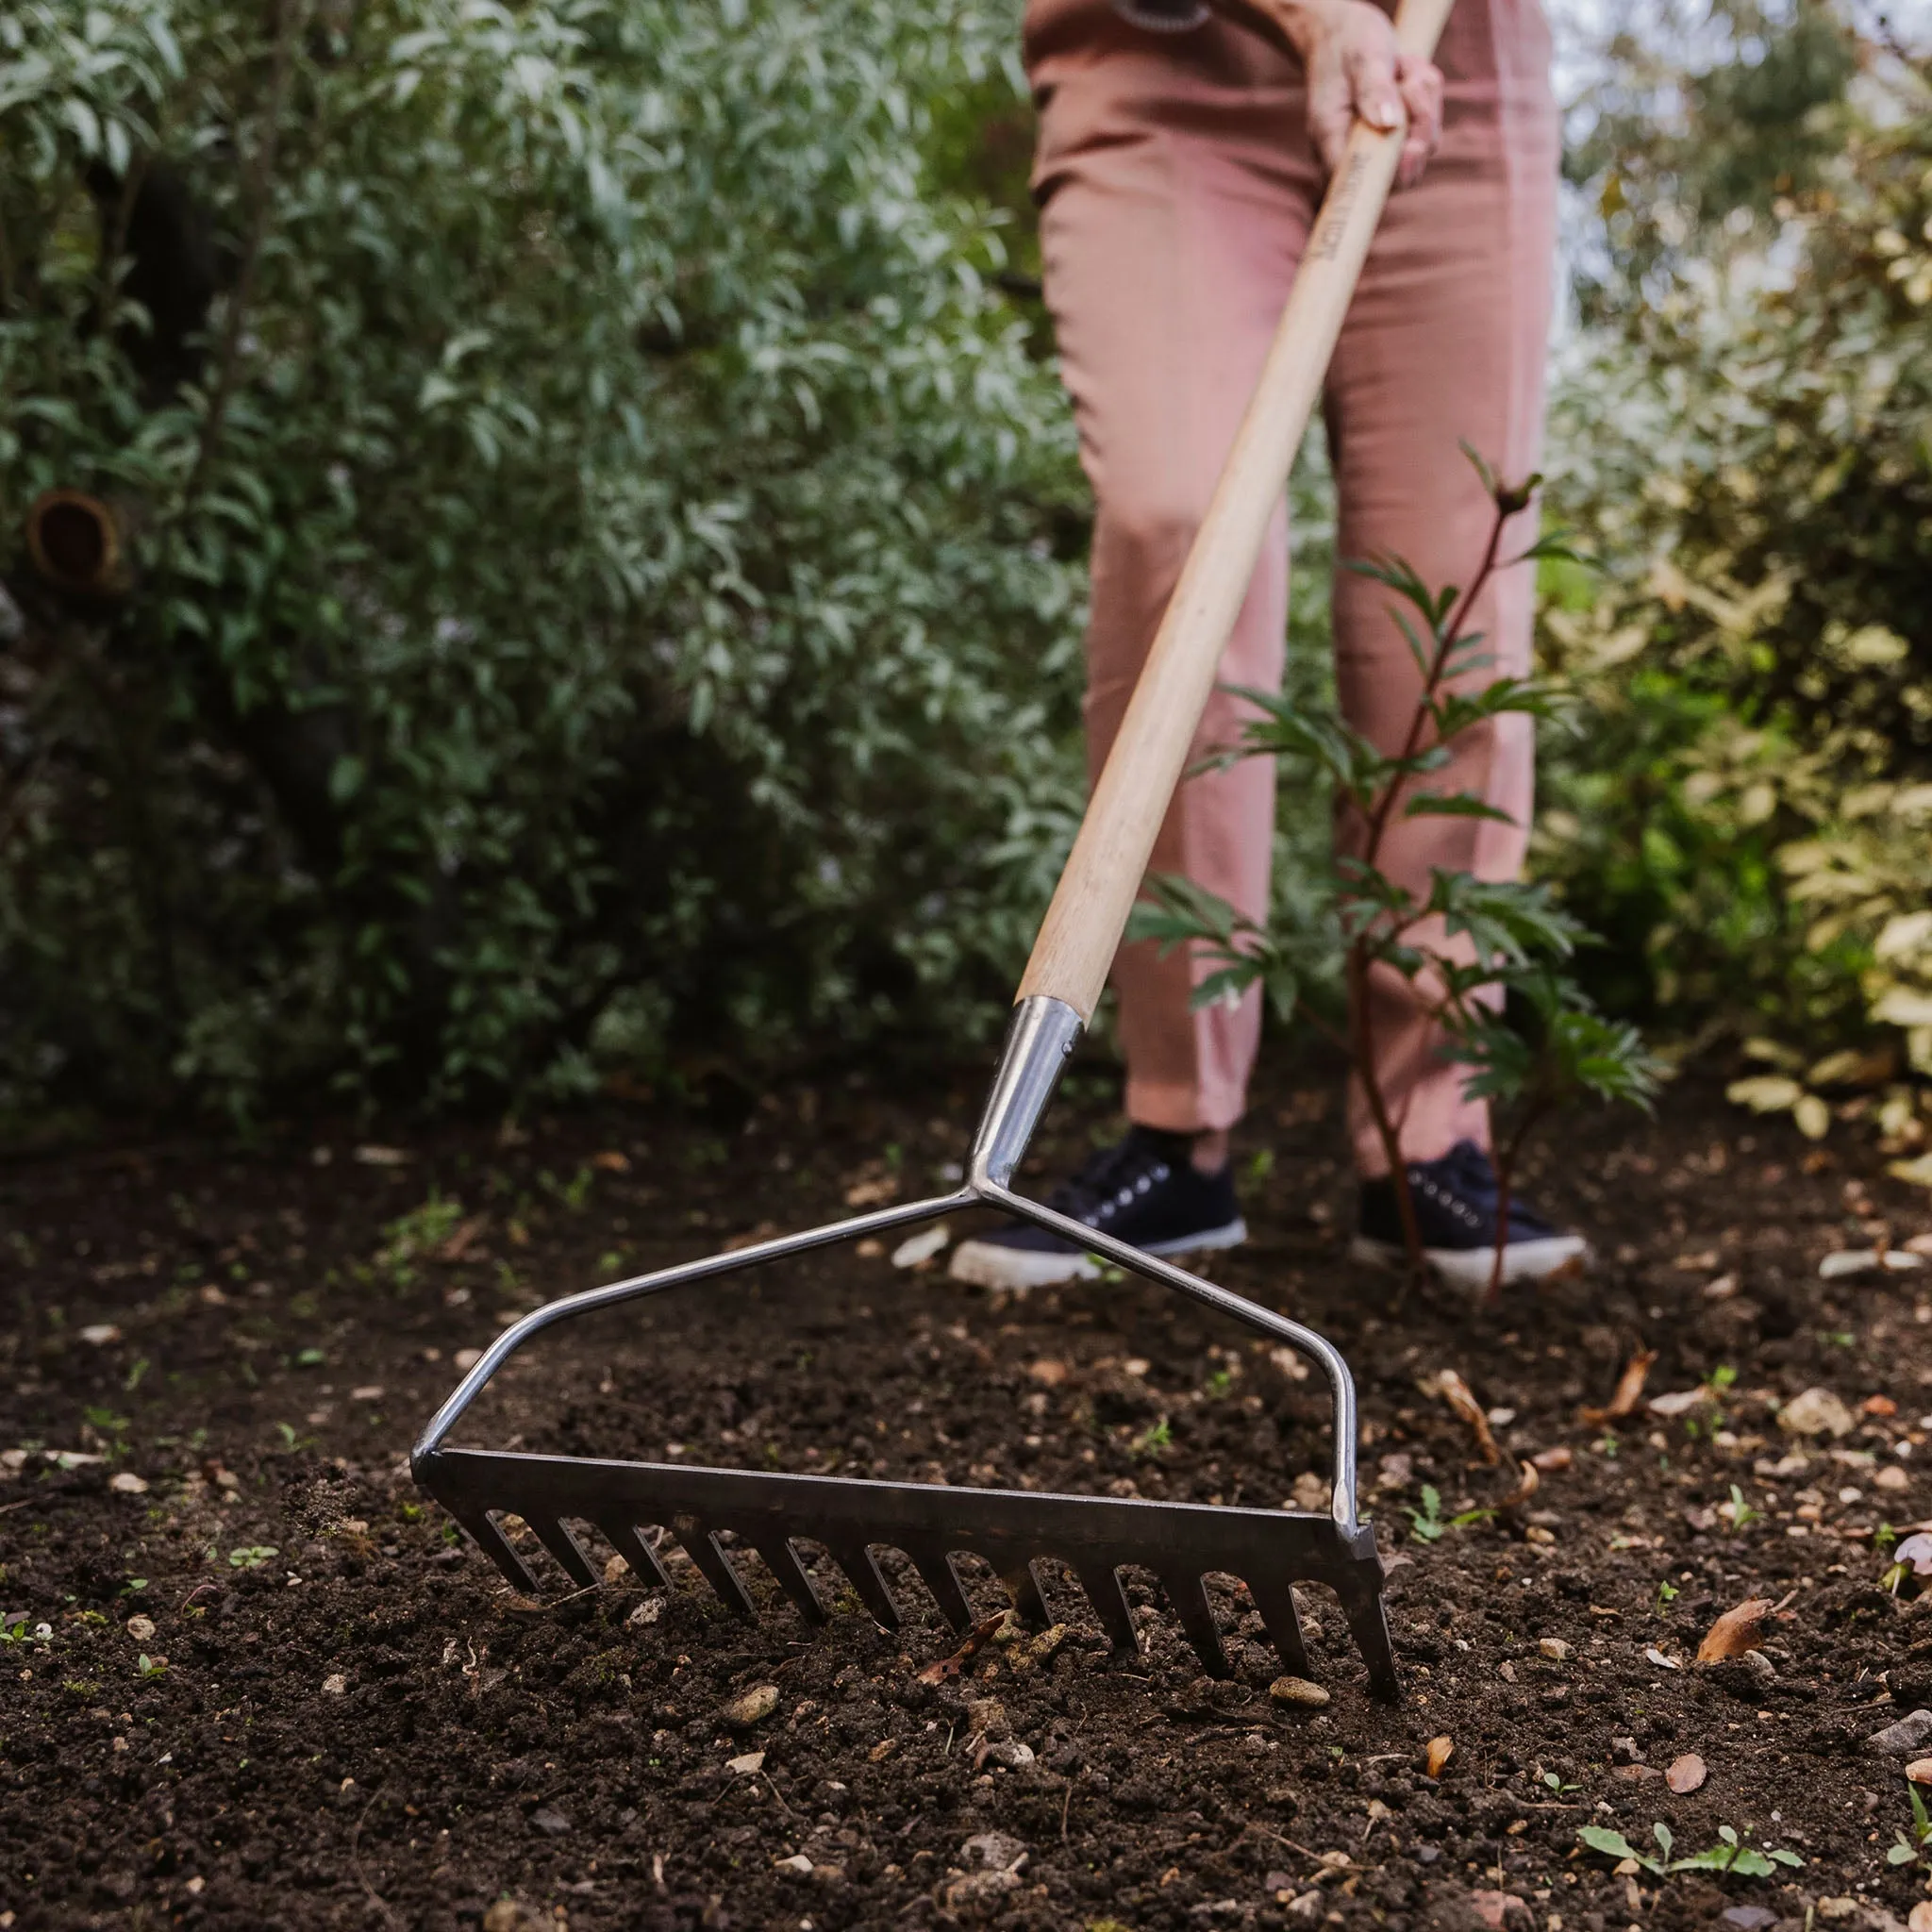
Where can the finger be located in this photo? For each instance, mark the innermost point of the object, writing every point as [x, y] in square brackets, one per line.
[1421, 86]
[1331, 114]
[1421, 94]
[1372, 86]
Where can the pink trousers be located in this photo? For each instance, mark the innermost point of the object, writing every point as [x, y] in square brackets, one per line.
[1178, 185]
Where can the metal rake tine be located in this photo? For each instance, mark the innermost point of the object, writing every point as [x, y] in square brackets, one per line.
[1187, 1594]
[1274, 1598]
[1102, 1583]
[1368, 1623]
[934, 1564]
[857, 1561]
[559, 1538]
[1029, 1600]
[495, 1546]
[635, 1551]
[705, 1550]
[782, 1560]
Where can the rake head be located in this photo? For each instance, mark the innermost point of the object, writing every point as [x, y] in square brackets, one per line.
[1014, 1531]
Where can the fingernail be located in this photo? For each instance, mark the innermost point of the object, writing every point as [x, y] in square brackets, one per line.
[1384, 115]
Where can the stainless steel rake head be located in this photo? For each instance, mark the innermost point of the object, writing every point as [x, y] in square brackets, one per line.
[1096, 1537]
[1181, 1543]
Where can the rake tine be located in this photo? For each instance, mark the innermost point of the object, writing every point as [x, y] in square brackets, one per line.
[1189, 1596]
[857, 1561]
[560, 1540]
[936, 1566]
[493, 1544]
[704, 1550]
[782, 1560]
[1274, 1598]
[635, 1551]
[1368, 1623]
[1102, 1583]
[1029, 1600]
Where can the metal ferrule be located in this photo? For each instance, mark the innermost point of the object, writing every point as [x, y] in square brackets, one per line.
[1040, 1038]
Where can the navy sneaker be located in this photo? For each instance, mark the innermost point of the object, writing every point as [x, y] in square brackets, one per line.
[1146, 1191]
[1456, 1214]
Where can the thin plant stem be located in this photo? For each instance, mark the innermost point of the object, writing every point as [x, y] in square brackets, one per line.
[1360, 964]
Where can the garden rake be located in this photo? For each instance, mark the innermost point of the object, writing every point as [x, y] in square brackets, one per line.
[932, 1524]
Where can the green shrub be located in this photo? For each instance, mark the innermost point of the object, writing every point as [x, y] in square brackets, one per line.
[1750, 807]
[605, 559]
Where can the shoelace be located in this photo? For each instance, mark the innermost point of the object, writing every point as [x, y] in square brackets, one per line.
[1472, 1177]
[1111, 1180]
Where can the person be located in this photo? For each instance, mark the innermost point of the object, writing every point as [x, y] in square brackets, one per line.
[1183, 149]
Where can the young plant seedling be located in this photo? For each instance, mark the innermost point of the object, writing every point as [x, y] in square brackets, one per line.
[1918, 1844]
[1468, 946]
[1729, 1855]
[1428, 1524]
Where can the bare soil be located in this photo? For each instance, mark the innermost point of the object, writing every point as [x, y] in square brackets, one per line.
[253, 1679]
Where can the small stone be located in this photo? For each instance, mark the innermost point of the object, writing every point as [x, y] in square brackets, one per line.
[100, 1334]
[1048, 1373]
[751, 1706]
[1840, 1907]
[1904, 1738]
[506, 1915]
[1920, 1917]
[141, 1628]
[797, 1864]
[370, 1391]
[1892, 1477]
[551, 1824]
[745, 1766]
[125, 1482]
[1010, 1755]
[1920, 1771]
[1687, 1773]
[1748, 1918]
[646, 1613]
[464, 1360]
[1550, 1460]
[1816, 1412]
[1554, 1648]
[1299, 1693]
[1309, 1907]
[334, 1685]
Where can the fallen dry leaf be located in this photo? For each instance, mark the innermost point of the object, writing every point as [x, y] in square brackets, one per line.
[1629, 1389]
[463, 1238]
[1687, 1773]
[1736, 1631]
[1438, 1753]
[1455, 1392]
[977, 1639]
[1527, 1483]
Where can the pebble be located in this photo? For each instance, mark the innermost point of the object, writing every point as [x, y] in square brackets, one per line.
[141, 1628]
[1298, 1691]
[797, 1864]
[1920, 1771]
[335, 1684]
[1554, 1648]
[752, 1761]
[1904, 1738]
[1816, 1412]
[751, 1706]
[125, 1482]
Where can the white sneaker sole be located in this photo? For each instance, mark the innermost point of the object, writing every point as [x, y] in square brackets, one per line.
[1474, 1267]
[992, 1264]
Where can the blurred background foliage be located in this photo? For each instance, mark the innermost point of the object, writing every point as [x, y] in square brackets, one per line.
[603, 547]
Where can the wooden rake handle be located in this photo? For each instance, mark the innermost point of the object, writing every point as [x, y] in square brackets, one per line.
[1083, 925]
